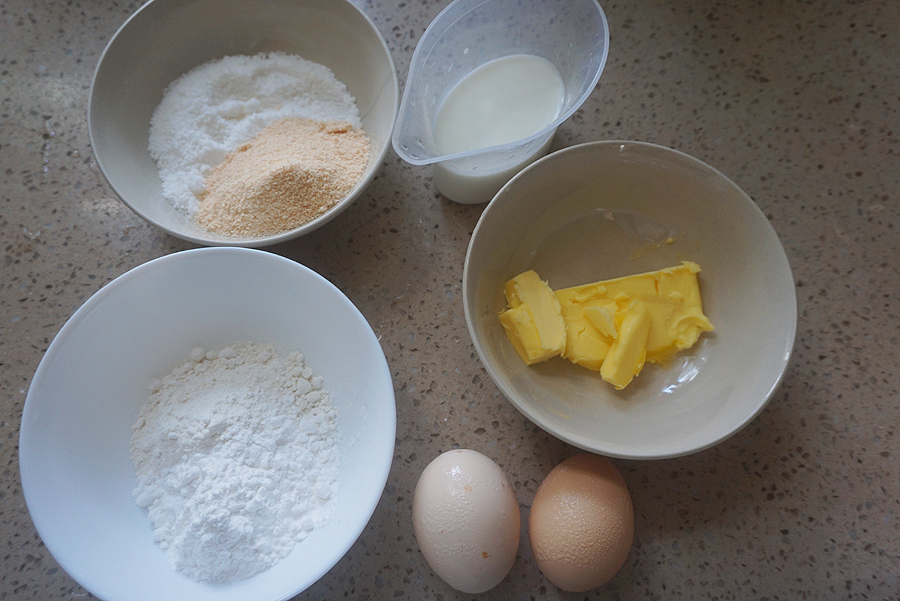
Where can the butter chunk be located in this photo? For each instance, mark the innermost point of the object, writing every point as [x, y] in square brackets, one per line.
[665, 303]
[614, 327]
[603, 318]
[533, 321]
[628, 352]
[586, 346]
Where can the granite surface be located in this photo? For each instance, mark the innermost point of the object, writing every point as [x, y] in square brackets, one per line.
[797, 102]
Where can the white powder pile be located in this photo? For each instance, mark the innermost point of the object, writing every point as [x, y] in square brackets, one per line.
[236, 460]
[218, 106]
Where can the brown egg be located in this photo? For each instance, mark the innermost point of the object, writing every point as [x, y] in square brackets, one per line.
[582, 523]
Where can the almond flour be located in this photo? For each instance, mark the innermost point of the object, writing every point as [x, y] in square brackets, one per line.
[291, 172]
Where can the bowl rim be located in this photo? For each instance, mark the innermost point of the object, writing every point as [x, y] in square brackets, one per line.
[263, 241]
[593, 446]
[28, 438]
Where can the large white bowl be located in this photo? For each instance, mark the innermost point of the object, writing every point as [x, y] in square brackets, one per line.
[166, 38]
[609, 209]
[74, 445]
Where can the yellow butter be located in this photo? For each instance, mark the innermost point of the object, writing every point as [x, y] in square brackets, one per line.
[533, 321]
[656, 314]
[628, 351]
[614, 327]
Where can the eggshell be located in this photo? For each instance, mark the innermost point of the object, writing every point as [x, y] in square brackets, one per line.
[581, 524]
[466, 520]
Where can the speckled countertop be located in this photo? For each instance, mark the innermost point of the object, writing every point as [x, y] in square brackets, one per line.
[798, 102]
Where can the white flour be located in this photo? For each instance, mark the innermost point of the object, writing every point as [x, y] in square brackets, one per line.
[236, 460]
[218, 106]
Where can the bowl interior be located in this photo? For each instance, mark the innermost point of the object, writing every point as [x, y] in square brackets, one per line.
[76, 469]
[166, 38]
[609, 209]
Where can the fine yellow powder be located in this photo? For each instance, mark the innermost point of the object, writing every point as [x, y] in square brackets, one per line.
[291, 172]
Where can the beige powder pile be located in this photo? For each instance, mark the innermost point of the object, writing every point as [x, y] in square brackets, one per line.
[291, 172]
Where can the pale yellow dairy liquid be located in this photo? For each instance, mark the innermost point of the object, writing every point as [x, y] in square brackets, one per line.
[498, 103]
[504, 100]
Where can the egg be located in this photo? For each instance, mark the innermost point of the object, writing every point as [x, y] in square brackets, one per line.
[581, 524]
[466, 520]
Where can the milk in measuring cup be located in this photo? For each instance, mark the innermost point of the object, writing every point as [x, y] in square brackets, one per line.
[502, 101]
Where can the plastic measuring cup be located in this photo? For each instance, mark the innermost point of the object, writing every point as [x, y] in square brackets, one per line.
[572, 34]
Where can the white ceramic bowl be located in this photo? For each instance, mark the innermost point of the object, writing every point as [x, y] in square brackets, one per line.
[608, 209]
[74, 445]
[166, 38]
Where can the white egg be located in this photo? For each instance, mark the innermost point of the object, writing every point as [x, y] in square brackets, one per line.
[466, 519]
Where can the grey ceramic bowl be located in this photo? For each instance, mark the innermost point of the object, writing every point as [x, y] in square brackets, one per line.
[610, 209]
